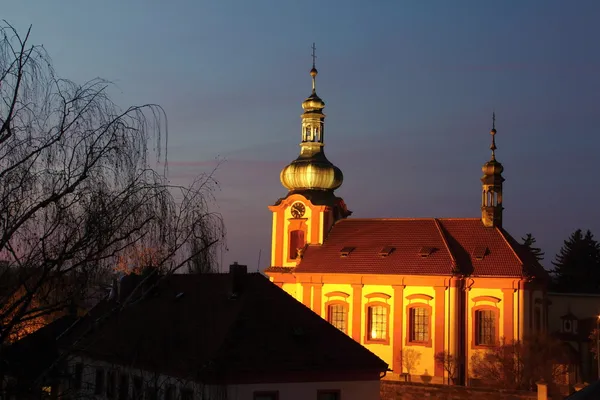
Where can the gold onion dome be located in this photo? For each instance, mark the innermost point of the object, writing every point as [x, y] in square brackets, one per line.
[313, 173]
[312, 170]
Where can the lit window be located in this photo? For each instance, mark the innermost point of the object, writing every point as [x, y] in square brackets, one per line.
[377, 323]
[485, 323]
[419, 324]
[296, 242]
[337, 315]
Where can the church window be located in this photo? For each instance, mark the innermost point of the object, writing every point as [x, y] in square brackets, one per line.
[377, 322]
[337, 315]
[419, 324]
[485, 327]
[297, 241]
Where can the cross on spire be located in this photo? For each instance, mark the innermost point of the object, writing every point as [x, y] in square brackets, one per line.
[314, 57]
[493, 133]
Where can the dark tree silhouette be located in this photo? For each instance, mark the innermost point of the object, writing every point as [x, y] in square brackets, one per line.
[529, 242]
[577, 265]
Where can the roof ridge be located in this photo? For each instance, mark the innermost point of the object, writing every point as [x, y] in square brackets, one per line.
[439, 228]
[390, 219]
[511, 248]
[411, 219]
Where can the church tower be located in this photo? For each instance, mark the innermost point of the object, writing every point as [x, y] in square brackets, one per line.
[305, 215]
[491, 196]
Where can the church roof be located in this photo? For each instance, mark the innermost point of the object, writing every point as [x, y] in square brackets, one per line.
[192, 326]
[419, 246]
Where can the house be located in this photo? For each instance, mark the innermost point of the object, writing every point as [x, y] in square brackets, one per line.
[572, 317]
[31, 363]
[213, 336]
[405, 288]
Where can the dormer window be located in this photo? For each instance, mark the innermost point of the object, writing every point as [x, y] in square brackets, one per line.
[569, 323]
[386, 251]
[345, 252]
[479, 252]
[426, 251]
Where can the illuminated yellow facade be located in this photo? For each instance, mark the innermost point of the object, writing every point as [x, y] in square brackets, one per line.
[407, 289]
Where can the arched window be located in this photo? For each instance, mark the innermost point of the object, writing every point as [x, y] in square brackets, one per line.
[297, 241]
[486, 326]
[377, 323]
[337, 314]
[419, 324]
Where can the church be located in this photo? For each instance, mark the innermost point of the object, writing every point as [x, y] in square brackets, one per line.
[405, 288]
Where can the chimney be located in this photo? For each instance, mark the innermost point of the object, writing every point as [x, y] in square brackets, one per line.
[127, 285]
[238, 274]
[114, 290]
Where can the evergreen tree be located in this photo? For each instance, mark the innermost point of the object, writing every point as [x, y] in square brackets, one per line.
[577, 265]
[529, 241]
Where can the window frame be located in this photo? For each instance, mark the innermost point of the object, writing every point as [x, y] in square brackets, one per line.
[346, 307]
[273, 393]
[336, 392]
[409, 325]
[99, 381]
[367, 338]
[78, 369]
[475, 327]
[111, 384]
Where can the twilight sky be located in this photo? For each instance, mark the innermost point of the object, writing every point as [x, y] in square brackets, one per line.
[409, 88]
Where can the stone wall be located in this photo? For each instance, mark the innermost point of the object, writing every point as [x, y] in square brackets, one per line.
[391, 390]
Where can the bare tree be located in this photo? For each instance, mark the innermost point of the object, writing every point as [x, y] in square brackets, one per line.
[411, 358]
[449, 362]
[77, 191]
[520, 364]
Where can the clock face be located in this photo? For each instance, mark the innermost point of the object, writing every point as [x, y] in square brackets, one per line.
[298, 210]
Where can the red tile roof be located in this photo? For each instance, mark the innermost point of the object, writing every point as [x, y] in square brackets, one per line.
[455, 244]
[206, 334]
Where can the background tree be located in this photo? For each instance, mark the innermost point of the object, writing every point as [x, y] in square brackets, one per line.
[577, 265]
[77, 192]
[529, 242]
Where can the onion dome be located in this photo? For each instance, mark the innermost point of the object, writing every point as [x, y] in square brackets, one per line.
[313, 173]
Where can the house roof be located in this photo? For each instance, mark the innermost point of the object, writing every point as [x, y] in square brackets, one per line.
[27, 358]
[419, 246]
[191, 326]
